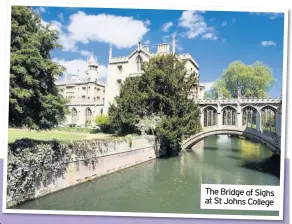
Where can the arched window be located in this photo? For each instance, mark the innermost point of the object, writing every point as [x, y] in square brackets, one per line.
[210, 116]
[88, 116]
[139, 62]
[249, 117]
[74, 115]
[229, 116]
[268, 118]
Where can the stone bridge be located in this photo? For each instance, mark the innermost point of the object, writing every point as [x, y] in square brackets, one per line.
[254, 118]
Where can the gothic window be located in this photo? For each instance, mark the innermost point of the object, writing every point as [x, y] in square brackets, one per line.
[139, 62]
[268, 119]
[88, 116]
[120, 69]
[74, 115]
[249, 117]
[229, 116]
[210, 115]
[119, 82]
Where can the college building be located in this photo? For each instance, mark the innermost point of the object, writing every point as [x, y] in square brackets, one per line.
[85, 93]
[120, 68]
[89, 97]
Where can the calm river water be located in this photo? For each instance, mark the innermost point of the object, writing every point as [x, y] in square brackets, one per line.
[172, 185]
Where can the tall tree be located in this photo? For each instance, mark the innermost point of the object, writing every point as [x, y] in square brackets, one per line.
[34, 100]
[250, 80]
[163, 90]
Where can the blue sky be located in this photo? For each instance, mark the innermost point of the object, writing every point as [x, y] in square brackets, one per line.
[214, 39]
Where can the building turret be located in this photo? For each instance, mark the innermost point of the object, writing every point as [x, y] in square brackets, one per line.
[92, 70]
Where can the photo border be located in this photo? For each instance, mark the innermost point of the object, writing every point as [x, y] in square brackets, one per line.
[159, 6]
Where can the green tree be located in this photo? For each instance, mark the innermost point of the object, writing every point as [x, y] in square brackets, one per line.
[164, 90]
[34, 100]
[253, 80]
[209, 95]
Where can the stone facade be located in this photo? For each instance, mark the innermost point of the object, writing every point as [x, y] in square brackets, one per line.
[120, 68]
[89, 97]
[86, 95]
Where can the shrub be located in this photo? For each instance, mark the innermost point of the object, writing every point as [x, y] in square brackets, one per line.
[103, 122]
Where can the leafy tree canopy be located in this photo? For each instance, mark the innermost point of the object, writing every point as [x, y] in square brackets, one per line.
[34, 100]
[253, 80]
[164, 90]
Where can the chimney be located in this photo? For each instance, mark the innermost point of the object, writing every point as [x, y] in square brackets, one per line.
[163, 48]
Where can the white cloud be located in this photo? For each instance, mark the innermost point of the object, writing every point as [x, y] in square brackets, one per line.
[40, 10]
[73, 66]
[195, 24]
[56, 26]
[273, 16]
[208, 86]
[85, 53]
[233, 20]
[224, 23]
[270, 15]
[210, 36]
[61, 17]
[166, 26]
[102, 72]
[147, 22]
[267, 43]
[122, 32]
[147, 42]
[53, 25]
[67, 43]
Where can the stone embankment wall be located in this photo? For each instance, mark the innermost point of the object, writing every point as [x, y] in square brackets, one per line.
[45, 168]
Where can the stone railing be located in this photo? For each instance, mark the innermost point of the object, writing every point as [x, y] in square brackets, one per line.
[118, 59]
[241, 100]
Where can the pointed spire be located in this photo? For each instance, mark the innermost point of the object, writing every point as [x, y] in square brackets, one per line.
[173, 43]
[92, 59]
[110, 53]
[139, 43]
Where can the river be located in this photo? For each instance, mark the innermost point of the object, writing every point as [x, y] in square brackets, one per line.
[172, 185]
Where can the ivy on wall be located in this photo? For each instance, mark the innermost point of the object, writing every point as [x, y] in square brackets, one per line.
[34, 164]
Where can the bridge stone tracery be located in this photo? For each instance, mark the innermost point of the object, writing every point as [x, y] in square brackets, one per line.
[258, 119]
[261, 114]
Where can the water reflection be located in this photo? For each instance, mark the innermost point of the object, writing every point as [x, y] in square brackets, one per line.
[172, 185]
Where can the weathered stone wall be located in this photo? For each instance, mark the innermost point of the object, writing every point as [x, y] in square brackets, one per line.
[85, 161]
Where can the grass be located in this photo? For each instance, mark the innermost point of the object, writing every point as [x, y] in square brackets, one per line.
[14, 134]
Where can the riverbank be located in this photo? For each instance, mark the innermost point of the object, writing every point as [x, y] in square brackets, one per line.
[170, 185]
[37, 169]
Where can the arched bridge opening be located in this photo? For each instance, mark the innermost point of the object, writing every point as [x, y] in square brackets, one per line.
[272, 142]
